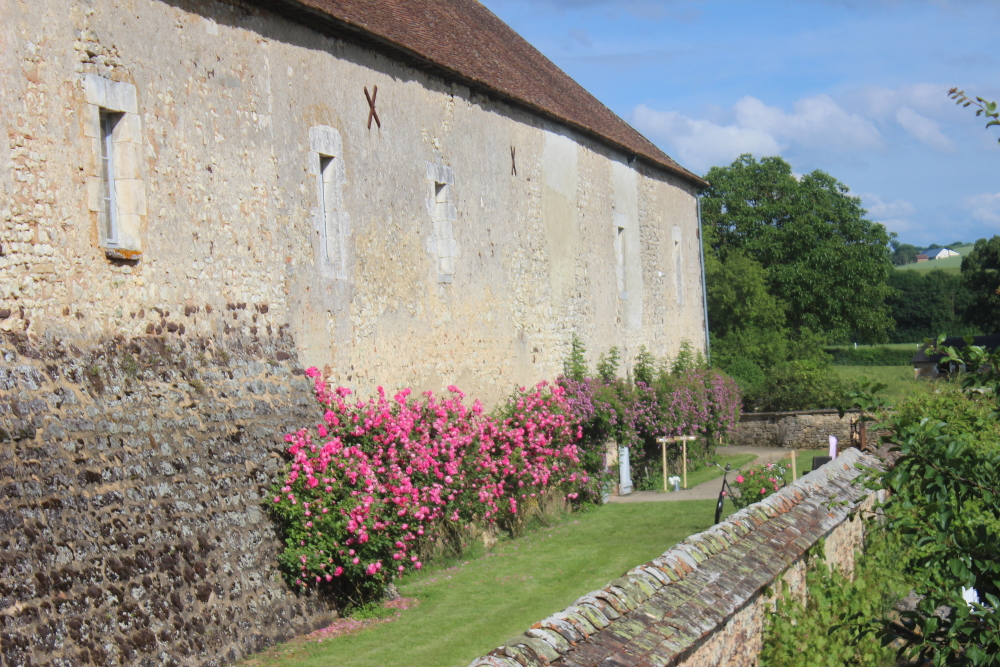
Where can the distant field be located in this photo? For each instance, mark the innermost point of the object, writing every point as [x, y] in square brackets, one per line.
[891, 346]
[898, 378]
[948, 264]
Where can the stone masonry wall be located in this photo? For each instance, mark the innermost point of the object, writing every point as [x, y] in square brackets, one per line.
[131, 524]
[806, 429]
[704, 602]
[230, 108]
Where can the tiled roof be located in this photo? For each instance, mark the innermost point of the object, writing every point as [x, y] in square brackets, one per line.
[462, 40]
[655, 614]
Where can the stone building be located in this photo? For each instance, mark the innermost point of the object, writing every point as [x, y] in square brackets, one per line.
[487, 209]
[200, 197]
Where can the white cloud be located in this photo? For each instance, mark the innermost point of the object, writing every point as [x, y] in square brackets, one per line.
[924, 130]
[701, 144]
[878, 208]
[895, 215]
[816, 123]
[984, 207]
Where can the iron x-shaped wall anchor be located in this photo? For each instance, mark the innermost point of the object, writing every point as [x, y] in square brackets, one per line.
[371, 107]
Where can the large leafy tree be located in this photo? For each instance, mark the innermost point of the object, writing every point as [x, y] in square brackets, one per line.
[823, 259]
[981, 276]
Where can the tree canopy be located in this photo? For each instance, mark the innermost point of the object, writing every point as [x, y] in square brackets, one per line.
[824, 262]
[929, 304]
[981, 276]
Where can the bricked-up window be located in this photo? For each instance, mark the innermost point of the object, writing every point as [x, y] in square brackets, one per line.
[109, 204]
[332, 223]
[442, 245]
[678, 264]
[116, 192]
[620, 262]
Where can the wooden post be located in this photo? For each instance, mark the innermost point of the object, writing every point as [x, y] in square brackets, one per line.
[684, 460]
[663, 447]
[794, 476]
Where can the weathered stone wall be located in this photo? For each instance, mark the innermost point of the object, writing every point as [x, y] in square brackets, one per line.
[704, 602]
[131, 524]
[233, 107]
[806, 429]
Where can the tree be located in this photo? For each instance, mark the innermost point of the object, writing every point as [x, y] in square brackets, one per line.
[903, 253]
[981, 276]
[929, 304]
[984, 107]
[823, 259]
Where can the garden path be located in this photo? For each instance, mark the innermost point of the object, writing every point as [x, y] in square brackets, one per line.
[706, 490]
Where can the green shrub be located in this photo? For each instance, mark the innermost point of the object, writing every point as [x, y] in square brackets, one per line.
[838, 624]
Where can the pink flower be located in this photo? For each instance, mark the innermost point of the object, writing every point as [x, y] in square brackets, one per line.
[739, 479]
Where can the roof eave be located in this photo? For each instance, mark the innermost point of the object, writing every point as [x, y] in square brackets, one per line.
[298, 10]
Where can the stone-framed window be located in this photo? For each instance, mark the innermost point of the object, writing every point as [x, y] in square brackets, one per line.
[332, 223]
[115, 189]
[441, 245]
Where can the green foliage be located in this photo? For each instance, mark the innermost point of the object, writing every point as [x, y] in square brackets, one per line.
[644, 369]
[834, 627]
[780, 372]
[688, 359]
[981, 277]
[984, 107]
[944, 509]
[738, 297]
[824, 261]
[903, 253]
[607, 365]
[871, 356]
[575, 365]
[925, 304]
[754, 483]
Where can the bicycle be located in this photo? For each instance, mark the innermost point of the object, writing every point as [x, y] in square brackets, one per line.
[722, 492]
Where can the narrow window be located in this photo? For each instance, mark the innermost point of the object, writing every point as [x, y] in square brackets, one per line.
[620, 262]
[109, 202]
[678, 265]
[444, 230]
[328, 208]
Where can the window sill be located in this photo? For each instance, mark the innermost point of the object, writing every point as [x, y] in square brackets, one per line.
[123, 254]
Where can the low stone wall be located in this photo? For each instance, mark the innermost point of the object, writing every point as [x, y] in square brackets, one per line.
[131, 525]
[703, 603]
[805, 429]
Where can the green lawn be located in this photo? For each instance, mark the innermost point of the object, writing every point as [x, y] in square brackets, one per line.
[803, 460]
[899, 378]
[700, 475]
[472, 607]
[891, 346]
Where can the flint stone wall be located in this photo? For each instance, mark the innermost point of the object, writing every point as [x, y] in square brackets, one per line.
[131, 524]
[804, 429]
[703, 603]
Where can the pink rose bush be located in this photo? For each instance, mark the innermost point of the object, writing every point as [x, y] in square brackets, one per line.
[756, 483]
[371, 483]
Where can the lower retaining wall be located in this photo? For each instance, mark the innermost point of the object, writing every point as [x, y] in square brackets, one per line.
[704, 602]
[131, 525]
[805, 429]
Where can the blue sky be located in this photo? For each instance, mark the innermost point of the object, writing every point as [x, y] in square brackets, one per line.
[855, 88]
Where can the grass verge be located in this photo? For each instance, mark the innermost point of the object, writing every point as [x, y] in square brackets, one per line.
[899, 379]
[703, 474]
[469, 608]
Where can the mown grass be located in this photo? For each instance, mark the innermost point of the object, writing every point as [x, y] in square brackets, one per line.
[899, 379]
[891, 346]
[700, 475]
[471, 607]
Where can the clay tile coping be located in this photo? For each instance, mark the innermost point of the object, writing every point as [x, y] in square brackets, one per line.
[463, 41]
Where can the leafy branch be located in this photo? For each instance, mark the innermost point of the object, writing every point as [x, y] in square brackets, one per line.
[984, 107]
